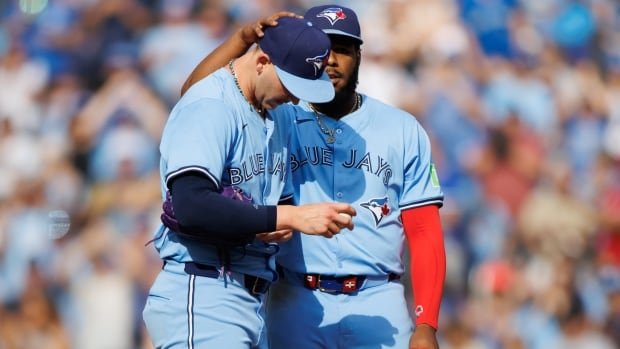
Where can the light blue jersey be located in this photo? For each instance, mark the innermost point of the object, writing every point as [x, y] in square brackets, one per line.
[212, 130]
[381, 164]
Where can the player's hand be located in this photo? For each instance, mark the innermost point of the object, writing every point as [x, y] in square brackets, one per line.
[423, 338]
[276, 236]
[252, 32]
[326, 219]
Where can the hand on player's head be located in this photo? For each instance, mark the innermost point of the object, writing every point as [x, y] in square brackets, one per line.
[251, 33]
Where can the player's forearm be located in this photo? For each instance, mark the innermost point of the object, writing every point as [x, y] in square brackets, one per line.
[197, 208]
[288, 217]
[233, 47]
[428, 261]
[200, 210]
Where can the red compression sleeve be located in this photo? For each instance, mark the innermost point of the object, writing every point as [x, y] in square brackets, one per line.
[428, 261]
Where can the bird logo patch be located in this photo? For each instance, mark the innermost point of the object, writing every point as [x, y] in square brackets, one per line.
[318, 62]
[378, 207]
[333, 14]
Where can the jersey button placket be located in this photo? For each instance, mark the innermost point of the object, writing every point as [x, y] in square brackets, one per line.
[338, 136]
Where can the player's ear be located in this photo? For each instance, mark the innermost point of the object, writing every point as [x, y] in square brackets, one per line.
[262, 59]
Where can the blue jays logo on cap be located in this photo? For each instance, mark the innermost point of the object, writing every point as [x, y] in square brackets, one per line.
[318, 62]
[378, 207]
[333, 14]
[299, 51]
[335, 20]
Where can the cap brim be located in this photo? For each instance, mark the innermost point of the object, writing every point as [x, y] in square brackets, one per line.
[342, 33]
[320, 90]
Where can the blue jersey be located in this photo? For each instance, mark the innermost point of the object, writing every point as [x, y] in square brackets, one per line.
[213, 131]
[381, 164]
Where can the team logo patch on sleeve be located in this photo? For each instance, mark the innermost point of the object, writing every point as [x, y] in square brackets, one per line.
[434, 177]
[333, 14]
[378, 207]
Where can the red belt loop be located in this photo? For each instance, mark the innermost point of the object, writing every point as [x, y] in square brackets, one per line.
[349, 284]
[311, 281]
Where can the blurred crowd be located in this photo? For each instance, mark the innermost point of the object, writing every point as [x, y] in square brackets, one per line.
[521, 99]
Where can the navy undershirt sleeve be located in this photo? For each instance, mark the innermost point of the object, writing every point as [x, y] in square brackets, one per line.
[200, 209]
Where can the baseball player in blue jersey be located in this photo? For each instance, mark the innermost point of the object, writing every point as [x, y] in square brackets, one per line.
[346, 292]
[224, 164]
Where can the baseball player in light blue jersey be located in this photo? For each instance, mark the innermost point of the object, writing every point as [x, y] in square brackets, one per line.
[346, 292]
[224, 164]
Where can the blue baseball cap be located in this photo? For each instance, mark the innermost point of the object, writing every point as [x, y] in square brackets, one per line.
[299, 52]
[336, 20]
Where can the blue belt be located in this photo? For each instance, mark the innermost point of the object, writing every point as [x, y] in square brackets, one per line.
[253, 284]
[337, 284]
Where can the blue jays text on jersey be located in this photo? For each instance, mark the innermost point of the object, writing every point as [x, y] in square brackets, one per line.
[255, 166]
[322, 155]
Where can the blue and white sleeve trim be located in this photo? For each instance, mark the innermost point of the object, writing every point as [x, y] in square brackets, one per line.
[438, 200]
[187, 169]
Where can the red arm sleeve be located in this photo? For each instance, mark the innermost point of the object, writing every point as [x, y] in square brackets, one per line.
[428, 261]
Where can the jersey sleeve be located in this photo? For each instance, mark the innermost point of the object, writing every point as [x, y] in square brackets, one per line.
[421, 184]
[198, 138]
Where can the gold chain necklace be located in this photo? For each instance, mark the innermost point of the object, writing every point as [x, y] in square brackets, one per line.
[331, 137]
[232, 71]
[330, 132]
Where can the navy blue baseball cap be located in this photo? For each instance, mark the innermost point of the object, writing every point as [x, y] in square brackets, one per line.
[299, 52]
[336, 20]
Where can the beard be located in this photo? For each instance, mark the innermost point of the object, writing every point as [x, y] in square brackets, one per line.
[343, 96]
[351, 85]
